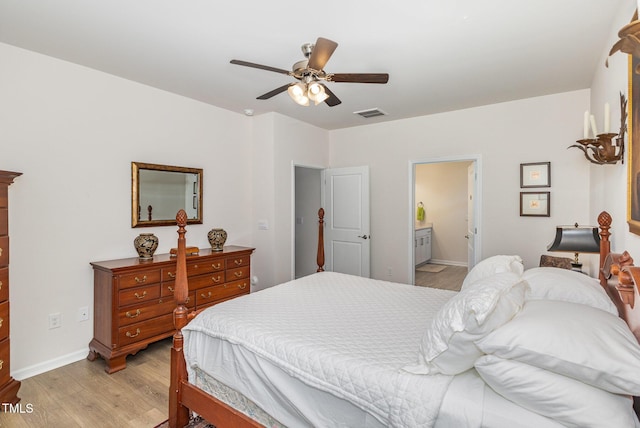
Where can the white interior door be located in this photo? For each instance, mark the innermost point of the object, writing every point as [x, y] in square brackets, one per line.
[471, 227]
[347, 236]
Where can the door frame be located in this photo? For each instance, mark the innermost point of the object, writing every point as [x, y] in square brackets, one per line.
[477, 160]
[295, 164]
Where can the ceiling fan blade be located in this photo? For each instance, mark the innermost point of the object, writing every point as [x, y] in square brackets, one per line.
[321, 53]
[260, 66]
[359, 77]
[274, 92]
[332, 101]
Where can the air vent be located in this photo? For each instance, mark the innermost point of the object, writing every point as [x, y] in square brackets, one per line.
[367, 114]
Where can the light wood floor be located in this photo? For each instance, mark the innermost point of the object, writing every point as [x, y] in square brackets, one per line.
[449, 279]
[82, 394]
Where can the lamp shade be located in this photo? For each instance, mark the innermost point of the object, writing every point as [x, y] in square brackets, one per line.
[576, 239]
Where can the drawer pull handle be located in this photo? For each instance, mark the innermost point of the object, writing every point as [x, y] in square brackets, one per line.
[207, 296]
[195, 266]
[1, 320]
[170, 288]
[238, 262]
[140, 281]
[238, 274]
[0, 251]
[216, 278]
[242, 286]
[139, 296]
[129, 334]
[130, 315]
[171, 275]
[1, 364]
[216, 265]
[0, 285]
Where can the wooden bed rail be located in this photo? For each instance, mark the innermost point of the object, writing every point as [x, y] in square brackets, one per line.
[183, 396]
[624, 288]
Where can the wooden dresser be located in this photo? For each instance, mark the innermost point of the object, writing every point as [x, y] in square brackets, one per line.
[8, 386]
[133, 299]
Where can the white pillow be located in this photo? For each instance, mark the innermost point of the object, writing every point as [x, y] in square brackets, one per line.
[562, 284]
[565, 400]
[570, 339]
[492, 265]
[448, 344]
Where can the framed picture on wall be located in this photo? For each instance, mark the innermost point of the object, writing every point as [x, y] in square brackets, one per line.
[535, 204]
[633, 185]
[535, 174]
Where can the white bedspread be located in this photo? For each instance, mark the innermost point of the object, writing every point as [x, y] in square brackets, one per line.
[346, 335]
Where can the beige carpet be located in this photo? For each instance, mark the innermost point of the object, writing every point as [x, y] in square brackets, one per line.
[431, 268]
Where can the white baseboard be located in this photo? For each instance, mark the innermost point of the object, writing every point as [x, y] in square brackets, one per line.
[448, 262]
[46, 366]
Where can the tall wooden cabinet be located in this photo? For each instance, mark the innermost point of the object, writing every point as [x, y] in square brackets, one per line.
[8, 386]
[133, 298]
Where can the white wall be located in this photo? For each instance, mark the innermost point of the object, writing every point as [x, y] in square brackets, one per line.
[504, 135]
[609, 182]
[442, 187]
[74, 132]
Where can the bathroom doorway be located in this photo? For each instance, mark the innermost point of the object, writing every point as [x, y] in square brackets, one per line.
[445, 218]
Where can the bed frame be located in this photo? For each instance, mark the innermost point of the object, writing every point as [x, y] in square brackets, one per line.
[185, 397]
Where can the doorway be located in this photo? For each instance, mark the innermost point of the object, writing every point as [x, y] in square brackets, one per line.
[445, 203]
[344, 194]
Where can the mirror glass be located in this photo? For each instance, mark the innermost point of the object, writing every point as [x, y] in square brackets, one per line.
[159, 191]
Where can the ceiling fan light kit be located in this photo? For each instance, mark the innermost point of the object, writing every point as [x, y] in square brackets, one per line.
[310, 75]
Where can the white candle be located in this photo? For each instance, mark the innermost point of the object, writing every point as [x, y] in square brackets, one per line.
[586, 123]
[593, 126]
[607, 117]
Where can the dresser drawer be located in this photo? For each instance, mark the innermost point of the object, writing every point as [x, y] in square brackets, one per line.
[208, 295]
[4, 284]
[4, 196]
[238, 273]
[4, 320]
[146, 329]
[4, 250]
[195, 268]
[4, 221]
[140, 313]
[167, 290]
[198, 282]
[139, 278]
[4, 361]
[234, 262]
[131, 296]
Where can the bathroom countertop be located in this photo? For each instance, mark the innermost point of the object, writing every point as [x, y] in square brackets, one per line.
[423, 226]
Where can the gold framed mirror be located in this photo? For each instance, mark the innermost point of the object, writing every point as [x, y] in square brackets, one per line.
[159, 191]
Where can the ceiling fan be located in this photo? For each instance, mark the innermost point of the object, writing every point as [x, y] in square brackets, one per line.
[311, 75]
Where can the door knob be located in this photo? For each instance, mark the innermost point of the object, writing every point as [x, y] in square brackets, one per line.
[364, 236]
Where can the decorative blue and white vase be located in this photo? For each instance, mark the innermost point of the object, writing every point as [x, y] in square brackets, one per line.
[146, 244]
[217, 238]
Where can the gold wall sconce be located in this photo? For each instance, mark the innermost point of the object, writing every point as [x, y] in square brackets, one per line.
[606, 148]
[629, 42]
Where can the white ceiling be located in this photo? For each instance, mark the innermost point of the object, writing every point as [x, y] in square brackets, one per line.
[441, 55]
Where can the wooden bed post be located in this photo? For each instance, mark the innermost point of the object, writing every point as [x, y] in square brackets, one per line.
[320, 256]
[604, 221]
[178, 414]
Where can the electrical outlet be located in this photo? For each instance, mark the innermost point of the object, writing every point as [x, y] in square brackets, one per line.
[55, 320]
[83, 313]
[389, 271]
